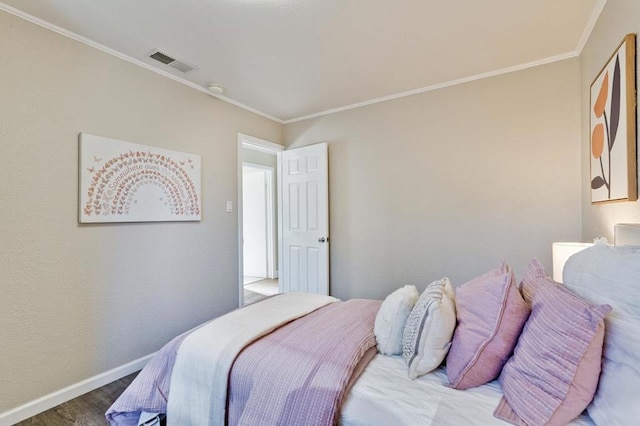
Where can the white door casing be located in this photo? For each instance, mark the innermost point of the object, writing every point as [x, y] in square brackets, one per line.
[251, 142]
[305, 220]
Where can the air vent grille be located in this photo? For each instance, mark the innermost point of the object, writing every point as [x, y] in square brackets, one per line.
[165, 59]
[172, 62]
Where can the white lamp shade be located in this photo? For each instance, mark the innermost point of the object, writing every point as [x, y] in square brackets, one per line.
[561, 252]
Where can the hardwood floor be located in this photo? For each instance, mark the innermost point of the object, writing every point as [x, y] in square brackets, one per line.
[85, 410]
[89, 409]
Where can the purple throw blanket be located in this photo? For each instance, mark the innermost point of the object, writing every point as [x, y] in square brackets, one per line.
[326, 344]
[150, 389]
[300, 373]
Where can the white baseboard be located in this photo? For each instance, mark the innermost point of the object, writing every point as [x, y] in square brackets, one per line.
[39, 405]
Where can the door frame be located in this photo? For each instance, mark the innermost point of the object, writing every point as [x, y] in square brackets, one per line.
[270, 214]
[252, 142]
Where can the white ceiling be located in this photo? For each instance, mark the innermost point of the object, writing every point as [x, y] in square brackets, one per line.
[294, 58]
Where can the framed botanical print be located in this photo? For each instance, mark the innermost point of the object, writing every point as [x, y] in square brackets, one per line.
[613, 127]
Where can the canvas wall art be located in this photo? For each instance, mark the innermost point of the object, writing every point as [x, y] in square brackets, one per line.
[613, 127]
[127, 182]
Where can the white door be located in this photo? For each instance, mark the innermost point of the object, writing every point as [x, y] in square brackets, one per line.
[305, 220]
[254, 212]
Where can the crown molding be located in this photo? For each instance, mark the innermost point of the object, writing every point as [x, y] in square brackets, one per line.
[438, 86]
[580, 46]
[588, 29]
[70, 34]
[593, 19]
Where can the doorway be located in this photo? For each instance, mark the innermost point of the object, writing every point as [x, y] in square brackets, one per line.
[258, 164]
[258, 214]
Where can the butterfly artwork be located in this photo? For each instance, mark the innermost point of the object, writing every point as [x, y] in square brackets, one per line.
[128, 182]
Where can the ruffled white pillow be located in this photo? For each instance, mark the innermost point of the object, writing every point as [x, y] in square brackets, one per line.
[610, 275]
[391, 318]
[429, 329]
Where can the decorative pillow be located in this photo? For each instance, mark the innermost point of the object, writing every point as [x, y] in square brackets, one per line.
[491, 314]
[428, 332]
[554, 371]
[611, 275]
[392, 317]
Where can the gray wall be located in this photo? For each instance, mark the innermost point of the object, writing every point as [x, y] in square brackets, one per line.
[619, 17]
[79, 300]
[453, 181]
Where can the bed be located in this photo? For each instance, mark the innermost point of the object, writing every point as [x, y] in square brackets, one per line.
[239, 370]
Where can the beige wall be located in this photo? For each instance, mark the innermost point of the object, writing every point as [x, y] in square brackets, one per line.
[79, 300]
[619, 17]
[453, 181]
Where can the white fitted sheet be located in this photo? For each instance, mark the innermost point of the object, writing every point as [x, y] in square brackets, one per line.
[384, 395]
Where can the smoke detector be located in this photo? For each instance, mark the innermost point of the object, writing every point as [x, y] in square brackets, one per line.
[216, 88]
[181, 66]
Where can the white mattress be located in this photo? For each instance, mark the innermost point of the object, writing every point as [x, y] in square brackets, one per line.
[384, 395]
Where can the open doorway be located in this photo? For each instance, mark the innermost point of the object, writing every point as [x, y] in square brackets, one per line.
[258, 224]
[258, 163]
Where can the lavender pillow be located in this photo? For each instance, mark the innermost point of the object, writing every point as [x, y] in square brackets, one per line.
[491, 314]
[554, 371]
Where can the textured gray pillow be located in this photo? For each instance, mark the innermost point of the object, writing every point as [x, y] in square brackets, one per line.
[429, 329]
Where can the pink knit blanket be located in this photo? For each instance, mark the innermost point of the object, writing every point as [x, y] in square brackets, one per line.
[299, 374]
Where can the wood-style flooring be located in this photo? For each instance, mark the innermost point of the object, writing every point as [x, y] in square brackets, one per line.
[89, 409]
[85, 410]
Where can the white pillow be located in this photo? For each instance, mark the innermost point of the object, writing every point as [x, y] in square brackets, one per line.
[611, 275]
[429, 329]
[391, 318]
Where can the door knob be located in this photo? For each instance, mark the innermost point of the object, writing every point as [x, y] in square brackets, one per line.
[322, 239]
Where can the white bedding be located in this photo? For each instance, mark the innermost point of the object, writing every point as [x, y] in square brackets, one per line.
[384, 395]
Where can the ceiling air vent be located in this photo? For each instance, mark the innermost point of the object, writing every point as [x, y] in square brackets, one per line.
[173, 63]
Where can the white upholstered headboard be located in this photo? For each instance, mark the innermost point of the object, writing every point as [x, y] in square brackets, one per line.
[627, 234]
